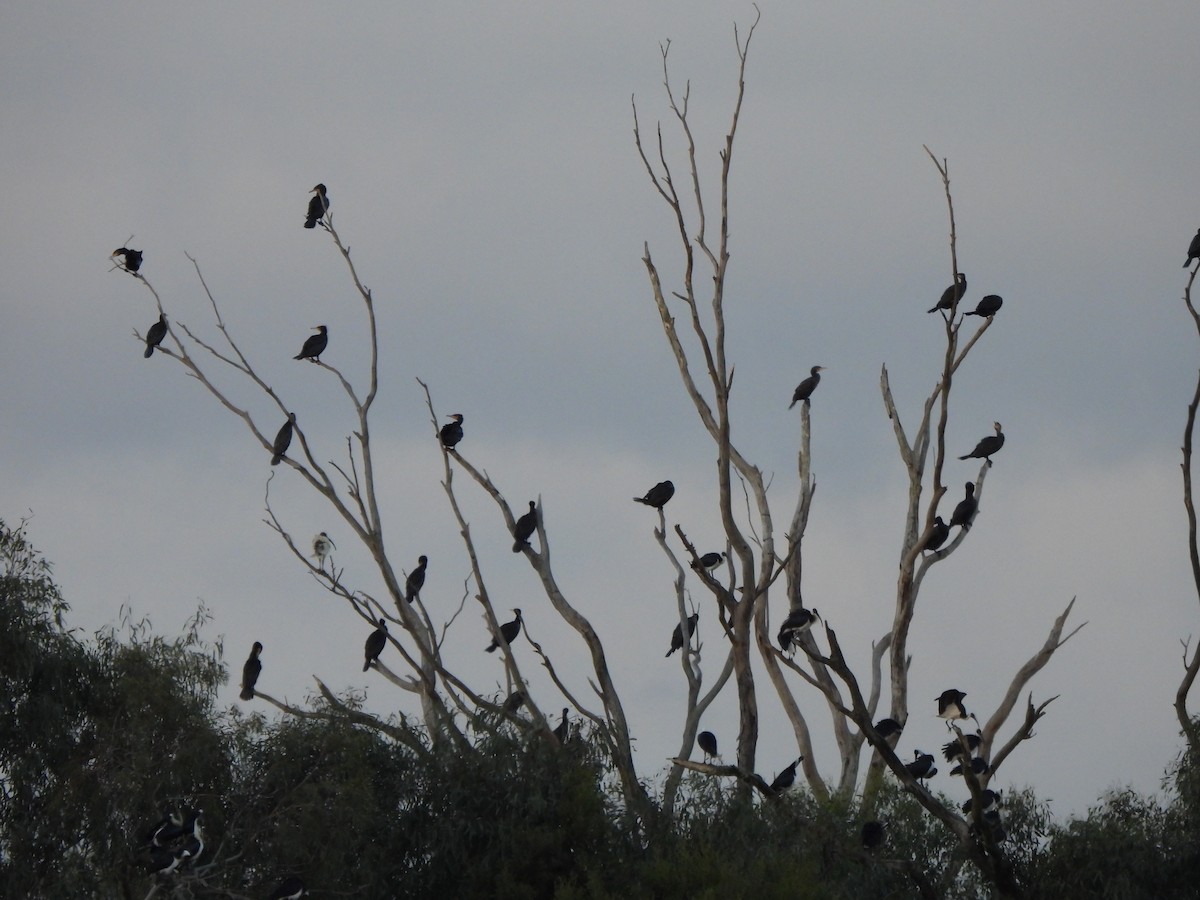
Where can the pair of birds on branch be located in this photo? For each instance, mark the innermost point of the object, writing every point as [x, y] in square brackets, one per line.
[707, 742]
[964, 511]
[987, 307]
[173, 842]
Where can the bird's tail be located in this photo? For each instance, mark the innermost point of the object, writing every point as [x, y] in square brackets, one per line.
[517, 545]
[968, 456]
[790, 405]
[149, 352]
[492, 649]
[935, 309]
[366, 665]
[247, 694]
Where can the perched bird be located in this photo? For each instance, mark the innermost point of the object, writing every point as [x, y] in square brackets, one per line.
[805, 388]
[165, 830]
[885, 728]
[950, 705]
[524, 527]
[291, 888]
[193, 841]
[317, 206]
[873, 834]
[452, 432]
[563, 728]
[708, 743]
[514, 701]
[988, 445]
[978, 765]
[133, 258]
[709, 561]
[677, 635]
[965, 511]
[988, 306]
[415, 580]
[322, 544]
[954, 749]
[658, 495]
[155, 334]
[508, 631]
[314, 345]
[250, 672]
[922, 765]
[952, 294]
[988, 801]
[786, 778]
[798, 621]
[938, 535]
[1193, 251]
[283, 439]
[376, 641]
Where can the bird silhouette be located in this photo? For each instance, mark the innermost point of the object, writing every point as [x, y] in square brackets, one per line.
[374, 645]
[415, 580]
[805, 388]
[508, 631]
[677, 636]
[132, 258]
[708, 743]
[952, 294]
[251, 669]
[1193, 251]
[318, 206]
[524, 528]
[658, 495]
[452, 432]
[314, 345]
[283, 440]
[155, 334]
[988, 306]
[964, 513]
[988, 445]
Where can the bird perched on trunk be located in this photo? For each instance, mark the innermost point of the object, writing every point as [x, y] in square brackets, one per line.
[658, 495]
[885, 728]
[805, 388]
[374, 645]
[415, 580]
[250, 672]
[988, 306]
[322, 544]
[524, 528]
[315, 344]
[922, 765]
[563, 729]
[978, 765]
[452, 432]
[988, 801]
[132, 258]
[317, 206]
[1193, 251]
[952, 294]
[155, 334]
[988, 445]
[954, 749]
[677, 635]
[708, 743]
[937, 536]
[709, 561]
[291, 888]
[786, 778]
[873, 834]
[950, 706]
[798, 621]
[514, 701]
[283, 440]
[964, 513]
[508, 631]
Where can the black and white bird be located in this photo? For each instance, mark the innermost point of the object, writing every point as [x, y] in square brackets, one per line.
[709, 561]
[163, 832]
[922, 766]
[291, 888]
[658, 495]
[318, 205]
[786, 778]
[283, 440]
[314, 345]
[677, 641]
[563, 730]
[988, 306]
[798, 621]
[508, 631]
[708, 743]
[1193, 251]
[155, 334]
[321, 545]
[978, 765]
[885, 728]
[804, 389]
[950, 706]
[954, 749]
[251, 669]
[415, 580]
[964, 513]
[937, 535]
[375, 643]
[873, 834]
[452, 432]
[988, 798]
[132, 258]
[952, 294]
[524, 528]
[988, 445]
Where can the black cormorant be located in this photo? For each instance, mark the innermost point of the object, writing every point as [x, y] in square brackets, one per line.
[922, 765]
[155, 334]
[452, 432]
[988, 306]
[988, 445]
[314, 345]
[317, 206]
[283, 440]
[322, 544]
[415, 580]
[885, 728]
[965, 511]
[1193, 251]
[563, 728]
[709, 561]
[786, 778]
[291, 888]
[250, 672]
[133, 258]
[938, 535]
[805, 388]
[952, 294]
[677, 635]
[508, 631]
[873, 834]
[514, 701]
[376, 641]
[525, 527]
[708, 743]
[798, 621]
[658, 495]
[950, 705]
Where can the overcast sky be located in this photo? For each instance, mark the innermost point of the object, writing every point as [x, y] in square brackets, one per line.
[480, 163]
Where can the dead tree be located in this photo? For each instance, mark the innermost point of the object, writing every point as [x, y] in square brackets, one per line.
[1191, 653]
